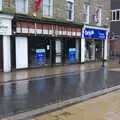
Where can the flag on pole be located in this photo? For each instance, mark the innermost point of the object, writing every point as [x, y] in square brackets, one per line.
[37, 6]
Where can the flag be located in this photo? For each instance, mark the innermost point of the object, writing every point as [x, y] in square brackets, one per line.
[37, 6]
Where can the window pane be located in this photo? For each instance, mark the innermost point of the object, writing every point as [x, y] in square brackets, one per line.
[113, 15]
[46, 10]
[118, 15]
[86, 13]
[47, 7]
[46, 2]
[20, 6]
[69, 10]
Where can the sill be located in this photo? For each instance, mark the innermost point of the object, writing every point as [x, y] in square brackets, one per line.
[70, 20]
[47, 16]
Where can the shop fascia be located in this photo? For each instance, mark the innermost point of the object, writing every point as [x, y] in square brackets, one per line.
[90, 32]
[5, 24]
[23, 27]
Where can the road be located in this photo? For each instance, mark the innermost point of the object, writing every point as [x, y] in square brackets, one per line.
[25, 95]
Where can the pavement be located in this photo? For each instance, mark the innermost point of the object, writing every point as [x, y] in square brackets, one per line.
[106, 107]
[47, 71]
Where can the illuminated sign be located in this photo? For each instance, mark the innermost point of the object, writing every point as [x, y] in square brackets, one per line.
[95, 33]
[72, 54]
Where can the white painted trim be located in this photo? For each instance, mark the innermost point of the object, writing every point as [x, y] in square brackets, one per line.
[5, 16]
[21, 52]
[70, 1]
[6, 54]
[1, 2]
[83, 47]
[95, 27]
[106, 46]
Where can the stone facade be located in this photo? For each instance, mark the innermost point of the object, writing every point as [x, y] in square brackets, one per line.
[60, 6]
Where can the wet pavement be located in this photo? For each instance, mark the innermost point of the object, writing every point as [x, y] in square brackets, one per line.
[41, 72]
[25, 95]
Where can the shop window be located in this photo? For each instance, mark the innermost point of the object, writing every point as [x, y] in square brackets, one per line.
[22, 6]
[86, 13]
[48, 8]
[98, 16]
[70, 10]
[0, 4]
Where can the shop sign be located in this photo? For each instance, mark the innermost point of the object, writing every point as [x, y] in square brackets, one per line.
[94, 33]
[47, 29]
[5, 27]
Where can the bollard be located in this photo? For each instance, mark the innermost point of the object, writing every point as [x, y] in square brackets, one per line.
[103, 65]
[119, 56]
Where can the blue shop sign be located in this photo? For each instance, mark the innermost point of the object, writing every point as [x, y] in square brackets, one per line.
[94, 33]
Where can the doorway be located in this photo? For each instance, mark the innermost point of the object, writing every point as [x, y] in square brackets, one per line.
[39, 51]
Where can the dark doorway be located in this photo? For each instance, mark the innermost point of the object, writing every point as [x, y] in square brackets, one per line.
[93, 50]
[39, 51]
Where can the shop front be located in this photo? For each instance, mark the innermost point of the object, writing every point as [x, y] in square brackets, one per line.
[95, 43]
[39, 43]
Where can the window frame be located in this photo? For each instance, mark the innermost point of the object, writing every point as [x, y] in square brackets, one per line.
[87, 13]
[50, 9]
[72, 10]
[115, 11]
[25, 9]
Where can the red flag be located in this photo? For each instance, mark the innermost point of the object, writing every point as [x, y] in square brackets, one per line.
[37, 6]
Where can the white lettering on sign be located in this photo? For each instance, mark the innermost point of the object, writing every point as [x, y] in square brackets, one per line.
[89, 33]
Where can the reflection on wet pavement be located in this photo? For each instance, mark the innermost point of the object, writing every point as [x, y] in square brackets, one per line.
[21, 96]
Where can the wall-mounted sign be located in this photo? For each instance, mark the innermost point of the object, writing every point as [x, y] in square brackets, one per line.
[5, 25]
[94, 33]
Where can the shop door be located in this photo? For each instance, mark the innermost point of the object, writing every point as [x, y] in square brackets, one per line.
[1, 54]
[58, 53]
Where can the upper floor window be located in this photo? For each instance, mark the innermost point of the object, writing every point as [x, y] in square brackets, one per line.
[70, 9]
[22, 6]
[116, 15]
[0, 4]
[48, 8]
[86, 13]
[98, 16]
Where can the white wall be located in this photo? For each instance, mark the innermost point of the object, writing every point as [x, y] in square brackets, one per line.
[21, 52]
[6, 54]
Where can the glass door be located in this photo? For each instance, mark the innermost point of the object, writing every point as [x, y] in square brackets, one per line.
[58, 53]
